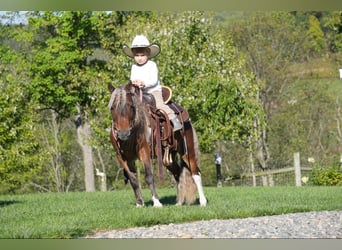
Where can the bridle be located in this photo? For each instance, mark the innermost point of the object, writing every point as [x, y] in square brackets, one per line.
[122, 134]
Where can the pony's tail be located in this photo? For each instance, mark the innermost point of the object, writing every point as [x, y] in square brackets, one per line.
[186, 188]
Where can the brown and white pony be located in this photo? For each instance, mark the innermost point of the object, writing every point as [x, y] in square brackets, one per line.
[131, 137]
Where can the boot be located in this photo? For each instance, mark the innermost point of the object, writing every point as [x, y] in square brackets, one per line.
[177, 125]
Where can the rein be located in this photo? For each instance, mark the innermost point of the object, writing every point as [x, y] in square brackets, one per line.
[115, 136]
[140, 94]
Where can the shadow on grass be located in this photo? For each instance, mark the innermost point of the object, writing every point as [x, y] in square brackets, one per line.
[165, 200]
[7, 203]
[170, 200]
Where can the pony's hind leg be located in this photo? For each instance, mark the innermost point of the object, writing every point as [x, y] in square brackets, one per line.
[198, 180]
[187, 186]
[191, 158]
[176, 168]
[196, 176]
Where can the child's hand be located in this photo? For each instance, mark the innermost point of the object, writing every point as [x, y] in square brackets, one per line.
[139, 83]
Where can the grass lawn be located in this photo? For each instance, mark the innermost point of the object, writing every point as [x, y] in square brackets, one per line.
[72, 215]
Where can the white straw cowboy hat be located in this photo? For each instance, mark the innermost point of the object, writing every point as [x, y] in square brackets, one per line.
[140, 41]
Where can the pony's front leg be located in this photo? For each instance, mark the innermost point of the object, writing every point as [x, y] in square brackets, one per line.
[146, 160]
[150, 183]
[129, 169]
[135, 186]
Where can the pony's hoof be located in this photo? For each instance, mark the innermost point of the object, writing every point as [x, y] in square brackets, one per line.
[156, 202]
[203, 203]
[158, 205]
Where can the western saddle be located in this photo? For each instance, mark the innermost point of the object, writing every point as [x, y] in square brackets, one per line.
[163, 137]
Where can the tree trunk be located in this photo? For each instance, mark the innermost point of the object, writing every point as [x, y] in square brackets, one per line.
[50, 136]
[56, 159]
[83, 135]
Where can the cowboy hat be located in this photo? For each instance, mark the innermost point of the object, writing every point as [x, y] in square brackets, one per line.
[140, 41]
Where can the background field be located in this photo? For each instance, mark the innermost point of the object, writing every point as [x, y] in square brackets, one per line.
[73, 215]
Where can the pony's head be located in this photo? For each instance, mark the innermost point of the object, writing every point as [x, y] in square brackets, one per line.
[128, 113]
[123, 107]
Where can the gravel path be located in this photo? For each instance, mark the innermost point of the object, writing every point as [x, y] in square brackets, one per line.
[323, 224]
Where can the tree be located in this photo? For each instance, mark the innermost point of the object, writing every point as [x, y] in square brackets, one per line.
[61, 72]
[19, 152]
[323, 29]
[63, 158]
[316, 35]
[271, 41]
[213, 83]
[71, 56]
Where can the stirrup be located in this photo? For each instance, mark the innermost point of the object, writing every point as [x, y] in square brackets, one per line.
[177, 125]
[167, 158]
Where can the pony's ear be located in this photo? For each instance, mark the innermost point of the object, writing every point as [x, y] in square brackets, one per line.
[110, 88]
[130, 88]
[129, 85]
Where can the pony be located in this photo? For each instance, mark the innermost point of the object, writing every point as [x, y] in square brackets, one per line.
[132, 136]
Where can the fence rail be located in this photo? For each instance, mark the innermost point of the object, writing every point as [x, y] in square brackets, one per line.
[284, 176]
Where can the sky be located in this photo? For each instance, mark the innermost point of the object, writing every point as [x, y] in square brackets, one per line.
[19, 19]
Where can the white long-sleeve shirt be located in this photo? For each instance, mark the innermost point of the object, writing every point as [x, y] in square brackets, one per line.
[148, 73]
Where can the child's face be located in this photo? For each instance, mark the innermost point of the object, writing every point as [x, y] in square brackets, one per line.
[140, 58]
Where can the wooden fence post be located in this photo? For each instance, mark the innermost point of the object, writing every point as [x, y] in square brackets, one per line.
[297, 169]
[252, 168]
[103, 180]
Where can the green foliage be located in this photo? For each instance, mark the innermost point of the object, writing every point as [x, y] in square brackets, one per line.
[316, 35]
[236, 75]
[270, 40]
[329, 176]
[299, 114]
[331, 24]
[62, 168]
[60, 74]
[19, 161]
[72, 215]
[202, 67]
[305, 115]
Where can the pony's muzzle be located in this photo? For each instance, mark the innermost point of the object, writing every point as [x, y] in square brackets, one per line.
[123, 134]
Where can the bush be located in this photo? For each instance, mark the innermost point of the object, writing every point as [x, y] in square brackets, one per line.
[331, 176]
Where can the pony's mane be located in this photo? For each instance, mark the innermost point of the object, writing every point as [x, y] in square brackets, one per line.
[119, 100]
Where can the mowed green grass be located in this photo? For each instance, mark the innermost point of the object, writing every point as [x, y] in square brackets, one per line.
[73, 215]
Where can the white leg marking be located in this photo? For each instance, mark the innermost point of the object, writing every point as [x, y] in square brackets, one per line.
[198, 181]
[156, 202]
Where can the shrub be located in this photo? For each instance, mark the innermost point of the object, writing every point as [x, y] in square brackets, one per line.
[330, 176]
